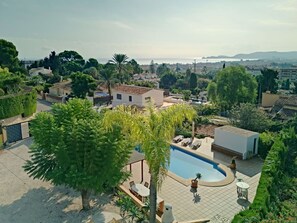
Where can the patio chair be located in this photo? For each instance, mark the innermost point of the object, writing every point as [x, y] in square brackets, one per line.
[131, 183]
[239, 180]
[185, 141]
[196, 144]
[146, 184]
[178, 138]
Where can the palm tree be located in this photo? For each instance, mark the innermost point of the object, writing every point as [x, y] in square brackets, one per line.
[120, 60]
[108, 77]
[153, 130]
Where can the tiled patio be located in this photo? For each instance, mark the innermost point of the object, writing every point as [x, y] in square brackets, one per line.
[219, 204]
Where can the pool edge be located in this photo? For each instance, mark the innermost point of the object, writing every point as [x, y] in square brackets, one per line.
[187, 182]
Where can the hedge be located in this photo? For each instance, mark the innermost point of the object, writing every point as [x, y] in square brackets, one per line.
[18, 104]
[268, 184]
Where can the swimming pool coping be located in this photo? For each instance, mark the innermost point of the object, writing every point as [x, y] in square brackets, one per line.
[187, 182]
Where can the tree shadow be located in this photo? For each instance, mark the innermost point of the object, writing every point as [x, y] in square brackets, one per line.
[196, 196]
[57, 204]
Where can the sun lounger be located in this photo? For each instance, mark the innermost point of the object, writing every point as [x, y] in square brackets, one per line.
[186, 141]
[178, 138]
[196, 144]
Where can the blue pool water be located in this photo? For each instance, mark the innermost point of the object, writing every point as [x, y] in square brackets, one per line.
[187, 165]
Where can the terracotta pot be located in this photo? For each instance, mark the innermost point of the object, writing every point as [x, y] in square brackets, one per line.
[194, 183]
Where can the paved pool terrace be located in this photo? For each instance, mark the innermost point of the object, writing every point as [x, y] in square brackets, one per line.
[217, 203]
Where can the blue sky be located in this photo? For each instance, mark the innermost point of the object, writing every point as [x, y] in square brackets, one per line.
[148, 28]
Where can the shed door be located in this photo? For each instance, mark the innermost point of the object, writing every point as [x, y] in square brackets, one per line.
[14, 133]
[255, 144]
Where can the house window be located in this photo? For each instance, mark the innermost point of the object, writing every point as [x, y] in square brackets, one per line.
[119, 96]
[130, 98]
[147, 98]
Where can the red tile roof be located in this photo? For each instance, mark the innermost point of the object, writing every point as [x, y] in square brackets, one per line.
[130, 89]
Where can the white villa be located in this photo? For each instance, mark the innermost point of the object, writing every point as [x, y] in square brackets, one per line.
[135, 95]
[236, 141]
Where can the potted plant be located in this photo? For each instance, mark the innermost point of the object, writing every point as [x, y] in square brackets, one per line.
[194, 182]
[233, 163]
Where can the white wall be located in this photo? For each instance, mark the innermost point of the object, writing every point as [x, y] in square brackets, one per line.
[156, 96]
[235, 142]
[230, 140]
[136, 99]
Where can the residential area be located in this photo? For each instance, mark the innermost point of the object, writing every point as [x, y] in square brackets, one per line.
[141, 138]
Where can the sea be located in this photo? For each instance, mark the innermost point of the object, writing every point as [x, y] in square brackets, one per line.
[146, 61]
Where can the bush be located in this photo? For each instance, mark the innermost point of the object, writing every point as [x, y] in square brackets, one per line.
[12, 105]
[207, 110]
[275, 180]
[266, 140]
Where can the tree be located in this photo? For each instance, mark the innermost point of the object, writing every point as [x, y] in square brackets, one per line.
[186, 94]
[108, 77]
[8, 55]
[167, 80]
[286, 85]
[162, 69]
[193, 81]
[268, 80]
[81, 84]
[234, 86]
[152, 67]
[71, 61]
[153, 130]
[120, 60]
[72, 147]
[92, 62]
[9, 83]
[91, 71]
[202, 83]
[136, 69]
[212, 91]
[247, 116]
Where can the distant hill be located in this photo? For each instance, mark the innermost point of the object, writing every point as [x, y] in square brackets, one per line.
[261, 55]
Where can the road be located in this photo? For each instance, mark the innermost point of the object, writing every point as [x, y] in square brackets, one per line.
[43, 105]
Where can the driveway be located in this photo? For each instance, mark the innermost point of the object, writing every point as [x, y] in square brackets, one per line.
[23, 199]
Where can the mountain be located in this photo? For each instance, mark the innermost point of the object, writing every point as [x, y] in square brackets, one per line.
[261, 55]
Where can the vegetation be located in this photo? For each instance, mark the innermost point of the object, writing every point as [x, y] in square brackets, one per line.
[81, 84]
[266, 141]
[152, 130]
[232, 86]
[275, 199]
[248, 116]
[73, 147]
[9, 56]
[268, 80]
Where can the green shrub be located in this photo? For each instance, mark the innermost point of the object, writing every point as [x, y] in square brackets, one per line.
[17, 104]
[273, 184]
[266, 140]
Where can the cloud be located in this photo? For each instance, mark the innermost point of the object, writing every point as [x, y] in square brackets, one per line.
[285, 6]
[275, 22]
[121, 25]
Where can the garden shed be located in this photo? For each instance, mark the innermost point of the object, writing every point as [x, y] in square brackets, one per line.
[236, 141]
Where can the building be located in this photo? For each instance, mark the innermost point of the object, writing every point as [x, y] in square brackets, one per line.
[236, 142]
[285, 107]
[268, 99]
[58, 91]
[40, 71]
[135, 95]
[288, 74]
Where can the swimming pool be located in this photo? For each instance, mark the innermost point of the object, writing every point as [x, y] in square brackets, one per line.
[186, 165]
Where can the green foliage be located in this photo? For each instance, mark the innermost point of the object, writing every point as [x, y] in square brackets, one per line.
[92, 62]
[268, 80]
[152, 67]
[162, 70]
[266, 141]
[29, 103]
[167, 80]
[2, 92]
[295, 88]
[129, 209]
[81, 84]
[73, 147]
[186, 94]
[193, 81]
[233, 86]
[17, 104]
[120, 61]
[206, 110]
[247, 116]
[136, 69]
[8, 55]
[276, 194]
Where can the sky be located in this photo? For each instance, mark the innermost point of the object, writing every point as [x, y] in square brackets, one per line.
[148, 28]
